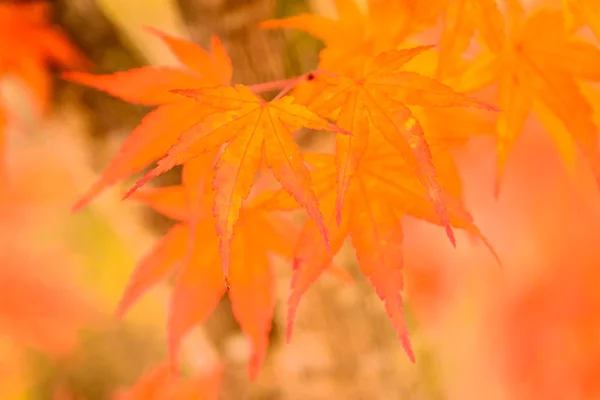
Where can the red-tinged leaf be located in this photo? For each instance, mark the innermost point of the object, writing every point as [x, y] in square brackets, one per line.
[383, 189]
[197, 291]
[349, 150]
[414, 147]
[377, 238]
[148, 142]
[252, 294]
[160, 262]
[249, 125]
[222, 59]
[382, 91]
[154, 85]
[278, 233]
[234, 178]
[196, 177]
[215, 67]
[145, 85]
[312, 258]
[39, 82]
[409, 196]
[199, 283]
[60, 51]
[283, 158]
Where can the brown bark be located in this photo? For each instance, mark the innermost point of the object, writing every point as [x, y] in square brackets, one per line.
[256, 54]
[110, 120]
[100, 41]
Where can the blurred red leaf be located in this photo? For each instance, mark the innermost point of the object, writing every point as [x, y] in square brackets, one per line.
[39, 45]
[161, 384]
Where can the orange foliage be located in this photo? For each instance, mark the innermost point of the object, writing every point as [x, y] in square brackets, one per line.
[395, 131]
[160, 129]
[39, 44]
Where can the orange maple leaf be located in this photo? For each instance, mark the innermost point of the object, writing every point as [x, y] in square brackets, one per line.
[378, 97]
[462, 19]
[153, 86]
[541, 68]
[372, 217]
[29, 43]
[582, 12]
[160, 383]
[386, 25]
[199, 283]
[251, 127]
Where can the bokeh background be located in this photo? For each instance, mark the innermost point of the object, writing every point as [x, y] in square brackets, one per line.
[530, 329]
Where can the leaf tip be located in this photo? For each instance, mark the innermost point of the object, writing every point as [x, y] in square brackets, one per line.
[450, 234]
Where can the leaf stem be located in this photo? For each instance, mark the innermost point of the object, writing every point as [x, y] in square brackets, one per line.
[272, 85]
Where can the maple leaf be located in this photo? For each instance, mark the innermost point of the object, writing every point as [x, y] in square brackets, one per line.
[378, 97]
[541, 69]
[462, 18]
[580, 12]
[149, 85]
[39, 45]
[251, 127]
[386, 24]
[372, 219]
[160, 383]
[199, 283]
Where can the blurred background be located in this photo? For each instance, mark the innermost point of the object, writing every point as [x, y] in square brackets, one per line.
[529, 330]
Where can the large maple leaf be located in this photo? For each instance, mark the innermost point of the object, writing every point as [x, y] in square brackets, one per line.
[378, 97]
[150, 85]
[29, 44]
[542, 71]
[251, 127]
[189, 249]
[376, 204]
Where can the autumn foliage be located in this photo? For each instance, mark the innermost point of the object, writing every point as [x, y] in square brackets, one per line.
[399, 86]
[384, 165]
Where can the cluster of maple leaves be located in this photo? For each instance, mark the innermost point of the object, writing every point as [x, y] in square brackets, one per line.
[382, 88]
